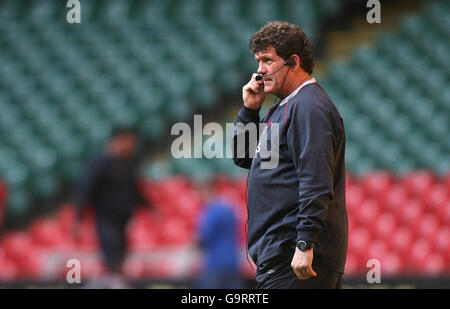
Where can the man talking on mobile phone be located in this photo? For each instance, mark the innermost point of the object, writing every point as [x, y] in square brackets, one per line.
[297, 219]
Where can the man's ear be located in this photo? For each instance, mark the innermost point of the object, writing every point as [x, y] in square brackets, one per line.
[295, 61]
[290, 62]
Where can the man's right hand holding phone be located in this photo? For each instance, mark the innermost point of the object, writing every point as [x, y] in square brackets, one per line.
[253, 93]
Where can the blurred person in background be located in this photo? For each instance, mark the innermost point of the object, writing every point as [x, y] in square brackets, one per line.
[3, 199]
[217, 238]
[297, 219]
[111, 185]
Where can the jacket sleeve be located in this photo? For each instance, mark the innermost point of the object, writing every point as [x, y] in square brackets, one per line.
[246, 125]
[311, 145]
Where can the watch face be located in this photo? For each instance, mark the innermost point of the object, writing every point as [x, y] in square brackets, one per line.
[302, 245]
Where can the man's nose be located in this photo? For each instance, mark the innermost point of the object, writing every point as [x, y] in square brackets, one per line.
[261, 70]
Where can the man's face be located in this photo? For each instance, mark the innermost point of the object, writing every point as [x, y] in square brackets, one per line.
[269, 62]
[127, 144]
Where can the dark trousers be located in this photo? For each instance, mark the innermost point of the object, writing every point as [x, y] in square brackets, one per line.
[112, 239]
[281, 276]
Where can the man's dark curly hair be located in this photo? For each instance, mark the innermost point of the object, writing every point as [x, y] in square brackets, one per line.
[287, 39]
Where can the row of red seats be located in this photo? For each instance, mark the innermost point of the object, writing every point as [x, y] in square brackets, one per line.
[418, 183]
[413, 254]
[395, 225]
[397, 200]
[402, 222]
[177, 206]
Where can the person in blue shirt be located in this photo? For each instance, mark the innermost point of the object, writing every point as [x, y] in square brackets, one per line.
[217, 237]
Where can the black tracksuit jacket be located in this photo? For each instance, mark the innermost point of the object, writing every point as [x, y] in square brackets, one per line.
[303, 197]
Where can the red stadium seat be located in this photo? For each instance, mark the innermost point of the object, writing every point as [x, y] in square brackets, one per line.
[411, 213]
[188, 206]
[141, 237]
[174, 232]
[88, 237]
[48, 233]
[447, 181]
[19, 249]
[222, 183]
[144, 218]
[173, 186]
[134, 268]
[353, 265]
[419, 183]
[376, 184]
[160, 269]
[17, 246]
[428, 226]
[395, 199]
[167, 208]
[420, 252]
[91, 268]
[386, 225]
[436, 265]
[66, 218]
[378, 249]
[369, 212]
[442, 242]
[34, 267]
[359, 241]
[392, 264]
[354, 198]
[438, 198]
[444, 214]
[8, 270]
[401, 240]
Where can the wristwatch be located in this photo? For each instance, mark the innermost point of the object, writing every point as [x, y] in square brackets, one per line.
[305, 245]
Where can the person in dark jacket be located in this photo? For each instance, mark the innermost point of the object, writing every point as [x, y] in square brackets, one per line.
[297, 219]
[110, 185]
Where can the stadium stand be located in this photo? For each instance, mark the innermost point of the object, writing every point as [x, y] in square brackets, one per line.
[141, 63]
[401, 120]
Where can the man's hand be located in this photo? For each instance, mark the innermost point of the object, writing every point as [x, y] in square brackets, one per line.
[302, 264]
[253, 93]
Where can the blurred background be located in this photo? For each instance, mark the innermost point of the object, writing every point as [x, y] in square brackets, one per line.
[150, 64]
